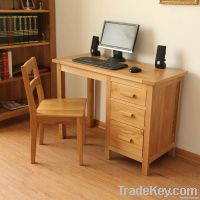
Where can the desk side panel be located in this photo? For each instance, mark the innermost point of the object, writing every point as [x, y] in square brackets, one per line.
[165, 102]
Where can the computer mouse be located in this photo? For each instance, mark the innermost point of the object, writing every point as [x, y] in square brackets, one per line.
[135, 69]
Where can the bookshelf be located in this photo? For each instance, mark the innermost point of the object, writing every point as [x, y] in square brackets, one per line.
[24, 11]
[44, 50]
[23, 45]
[19, 78]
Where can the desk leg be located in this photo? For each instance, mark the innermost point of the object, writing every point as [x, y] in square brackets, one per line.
[61, 94]
[90, 102]
[147, 132]
[108, 111]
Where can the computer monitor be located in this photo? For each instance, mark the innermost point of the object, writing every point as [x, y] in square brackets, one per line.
[119, 37]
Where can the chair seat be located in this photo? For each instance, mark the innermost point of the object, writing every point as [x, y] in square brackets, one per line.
[61, 108]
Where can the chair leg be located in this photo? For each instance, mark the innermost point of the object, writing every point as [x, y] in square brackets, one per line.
[80, 127]
[41, 134]
[33, 142]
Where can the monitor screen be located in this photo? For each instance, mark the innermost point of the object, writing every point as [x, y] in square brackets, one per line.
[119, 36]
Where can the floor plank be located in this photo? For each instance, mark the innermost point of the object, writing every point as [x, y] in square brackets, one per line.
[57, 174]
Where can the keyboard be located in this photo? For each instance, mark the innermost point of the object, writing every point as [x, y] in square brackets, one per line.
[100, 63]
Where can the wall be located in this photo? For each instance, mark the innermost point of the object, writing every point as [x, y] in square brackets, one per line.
[174, 26]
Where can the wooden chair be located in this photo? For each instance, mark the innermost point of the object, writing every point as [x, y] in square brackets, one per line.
[50, 111]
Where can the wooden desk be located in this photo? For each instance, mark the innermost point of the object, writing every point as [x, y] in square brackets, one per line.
[141, 109]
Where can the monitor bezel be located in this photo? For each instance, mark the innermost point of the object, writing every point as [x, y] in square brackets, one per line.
[126, 50]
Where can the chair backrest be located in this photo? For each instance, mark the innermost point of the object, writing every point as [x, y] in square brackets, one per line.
[30, 69]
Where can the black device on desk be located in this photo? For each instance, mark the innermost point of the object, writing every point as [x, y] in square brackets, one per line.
[100, 63]
[135, 69]
[119, 37]
[94, 47]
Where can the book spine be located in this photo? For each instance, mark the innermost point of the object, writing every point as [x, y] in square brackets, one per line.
[30, 29]
[33, 28]
[1, 67]
[20, 29]
[23, 29]
[10, 29]
[25, 34]
[5, 63]
[4, 37]
[36, 32]
[1, 30]
[10, 64]
[18, 39]
[15, 31]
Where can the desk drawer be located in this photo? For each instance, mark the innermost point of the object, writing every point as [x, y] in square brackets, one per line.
[126, 138]
[127, 114]
[129, 93]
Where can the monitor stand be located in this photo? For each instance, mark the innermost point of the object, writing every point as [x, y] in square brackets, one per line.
[117, 57]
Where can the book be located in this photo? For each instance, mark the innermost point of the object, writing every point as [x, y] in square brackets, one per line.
[25, 29]
[1, 67]
[10, 67]
[15, 30]
[35, 29]
[5, 64]
[9, 29]
[3, 32]
[13, 105]
[17, 70]
[31, 28]
[19, 29]
[6, 69]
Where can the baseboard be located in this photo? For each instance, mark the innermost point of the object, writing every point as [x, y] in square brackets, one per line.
[186, 155]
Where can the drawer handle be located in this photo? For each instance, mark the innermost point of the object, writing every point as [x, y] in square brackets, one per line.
[130, 140]
[128, 114]
[141, 132]
[127, 132]
[128, 95]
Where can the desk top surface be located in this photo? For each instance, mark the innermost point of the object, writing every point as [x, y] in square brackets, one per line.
[149, 75]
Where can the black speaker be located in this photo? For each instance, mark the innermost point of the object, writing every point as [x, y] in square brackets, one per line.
[94, 47]
[160, 57]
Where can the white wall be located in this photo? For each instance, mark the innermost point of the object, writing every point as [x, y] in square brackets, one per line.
[174, 26]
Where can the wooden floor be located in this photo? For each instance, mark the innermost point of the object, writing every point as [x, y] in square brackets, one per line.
[58, 176]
